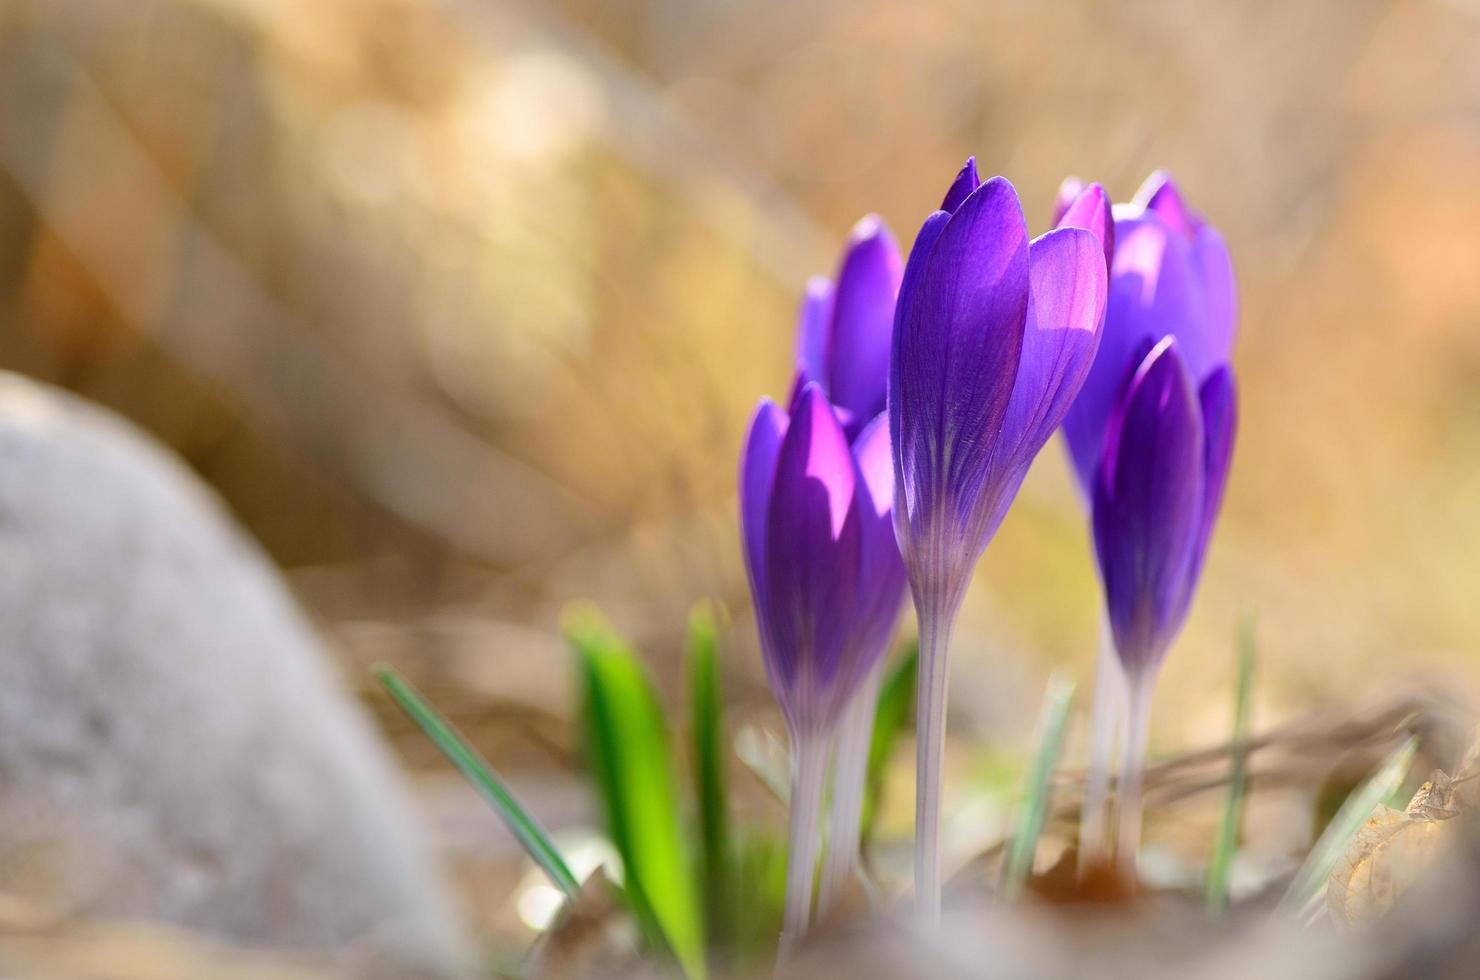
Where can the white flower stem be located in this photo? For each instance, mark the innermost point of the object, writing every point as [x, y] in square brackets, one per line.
[1105, 719]
[850, 769]
[808, 770]
[1132, 766]
[930, 735]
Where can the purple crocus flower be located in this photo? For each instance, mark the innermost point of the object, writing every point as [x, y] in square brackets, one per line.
[1156, 490]
[1149, 494]
[1169, 327]
[993, 336]
[843, 341]
[819, 548]
[827, 581]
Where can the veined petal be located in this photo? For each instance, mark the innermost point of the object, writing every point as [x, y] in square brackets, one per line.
[814, 330]
[812, 554]
[962, 187]
[1155, 290]
[1148, 501]
[1065, 315]
[863, 320]
[1090, 210]
[958, 335]
[910, 297]
[757, 475]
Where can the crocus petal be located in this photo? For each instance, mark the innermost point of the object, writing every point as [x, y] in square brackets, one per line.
[812, 556]
[958, 338]
[757, 474]
[1154, 290]
[881, 574]
[814, 329]
[1090, 210]
[863, 320]
[1147, 507]
[875, 465]
[962, 187]
[910, 287]
[876, 497]
[1160, 196]
[1220, 292]
[1219, 401]
[1069, 190]
[1065, 314]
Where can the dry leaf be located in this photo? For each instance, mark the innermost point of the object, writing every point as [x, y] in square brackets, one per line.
[592, 937]
[1396, 849]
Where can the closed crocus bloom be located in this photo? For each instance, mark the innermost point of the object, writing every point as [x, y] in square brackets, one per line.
[844, 334]
[993, 337]
[827, 582]
[1155, 488]
[845, 325]
[1170, 275]
[1147, 508]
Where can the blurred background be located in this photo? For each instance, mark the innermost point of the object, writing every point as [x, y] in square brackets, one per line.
[462, 306]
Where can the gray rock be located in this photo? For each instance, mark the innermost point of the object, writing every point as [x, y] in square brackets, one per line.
[173, 744]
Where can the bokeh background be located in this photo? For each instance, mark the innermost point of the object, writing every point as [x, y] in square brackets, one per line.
[462, 306]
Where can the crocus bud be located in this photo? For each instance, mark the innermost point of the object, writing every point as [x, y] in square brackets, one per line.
[819, 549]
[827, 581]
[993, 336]
[1148, 502]
[844, 328]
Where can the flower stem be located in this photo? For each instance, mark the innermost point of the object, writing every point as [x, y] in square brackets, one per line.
[1133, 764]
[850, 765]
[808, 768]
[1104, 730]
[930, 735]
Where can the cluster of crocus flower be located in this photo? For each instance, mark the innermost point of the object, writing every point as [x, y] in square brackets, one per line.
[1150, 437]
[995, 341]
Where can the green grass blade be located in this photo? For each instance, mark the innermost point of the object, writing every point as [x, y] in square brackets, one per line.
[1216, 892]
[1338, 835]
[1033, 809]
[896, 699]
[706, 716]
[478, 772]
[629, 753]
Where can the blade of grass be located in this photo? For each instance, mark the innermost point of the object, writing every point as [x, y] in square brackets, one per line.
[706, 716]
[1216, 893]
[628, 751]
[487, 782]
[896, 699]
[1033, 809]
[1337, 837]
